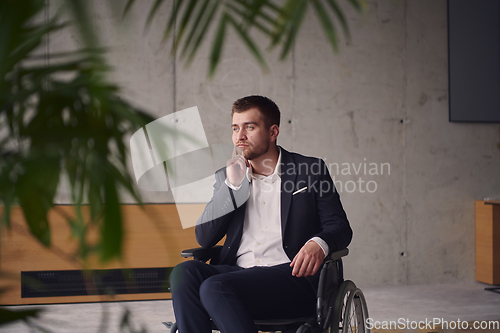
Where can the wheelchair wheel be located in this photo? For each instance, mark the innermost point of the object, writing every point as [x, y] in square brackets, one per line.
[349, 311]
[305, 328]
[173, 328]
[336, 308]
[355, 313]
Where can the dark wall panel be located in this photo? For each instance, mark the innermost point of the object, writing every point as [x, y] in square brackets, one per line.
[473, 27]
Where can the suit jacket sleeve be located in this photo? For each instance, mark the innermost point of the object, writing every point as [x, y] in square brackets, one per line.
[335, 228]
[218, 214]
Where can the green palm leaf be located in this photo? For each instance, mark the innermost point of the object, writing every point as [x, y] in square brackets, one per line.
[74, 126]
[217, 45]
[326, 23]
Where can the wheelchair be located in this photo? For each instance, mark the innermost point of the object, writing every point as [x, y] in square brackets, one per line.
[340, 306]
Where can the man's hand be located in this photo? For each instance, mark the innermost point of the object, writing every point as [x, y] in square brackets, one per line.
[308, 260]
[236, 169]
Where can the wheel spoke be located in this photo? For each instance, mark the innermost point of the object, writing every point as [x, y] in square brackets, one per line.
[355, 313]
[349, 311]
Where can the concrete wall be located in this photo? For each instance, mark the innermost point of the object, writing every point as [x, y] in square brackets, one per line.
[377, 112]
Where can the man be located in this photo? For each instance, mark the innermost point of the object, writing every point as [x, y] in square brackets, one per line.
[281, 216]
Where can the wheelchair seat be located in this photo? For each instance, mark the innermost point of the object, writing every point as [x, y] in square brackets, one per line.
[340, 306]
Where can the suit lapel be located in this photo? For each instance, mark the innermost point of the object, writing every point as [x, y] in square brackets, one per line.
[288, 176]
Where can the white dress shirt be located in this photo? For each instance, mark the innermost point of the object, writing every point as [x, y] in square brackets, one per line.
[261, 241]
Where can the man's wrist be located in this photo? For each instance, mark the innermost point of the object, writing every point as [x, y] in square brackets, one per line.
[231, 186]
[324, 246]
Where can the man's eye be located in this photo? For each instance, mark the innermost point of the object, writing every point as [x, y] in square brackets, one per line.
[250, 127]
[235, 129]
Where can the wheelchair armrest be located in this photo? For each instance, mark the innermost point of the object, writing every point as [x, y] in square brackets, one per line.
[337, 255]
[202, 254]
[330, 279]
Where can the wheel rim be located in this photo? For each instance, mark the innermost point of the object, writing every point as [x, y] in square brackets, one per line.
[355, 313]
[337, 306]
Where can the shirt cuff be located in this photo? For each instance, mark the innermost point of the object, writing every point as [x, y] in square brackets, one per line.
[231, 186]
[321, 243]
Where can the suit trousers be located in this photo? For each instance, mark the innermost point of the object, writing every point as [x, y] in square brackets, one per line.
[234, 297]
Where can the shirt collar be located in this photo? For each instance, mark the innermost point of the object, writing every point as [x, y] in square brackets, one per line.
[274, 176]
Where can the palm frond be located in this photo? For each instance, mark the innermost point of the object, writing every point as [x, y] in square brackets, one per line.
[153, 11]
[280, 22]
[218, 44]
[326, 23]
[199, 30]
[66, 126]
[289, 24]
[251, 45]
[341, 17]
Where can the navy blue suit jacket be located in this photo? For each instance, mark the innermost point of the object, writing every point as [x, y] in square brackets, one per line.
[316, 211]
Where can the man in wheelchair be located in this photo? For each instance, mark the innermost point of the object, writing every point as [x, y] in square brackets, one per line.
[281, 216]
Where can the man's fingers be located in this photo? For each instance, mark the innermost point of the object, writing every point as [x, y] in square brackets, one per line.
[308, 260]
[297, 265]
[240, 160]
[308, 267]
[300, 268]
[303, 270]
[233, 160]
[313, 267]
[317, 265]
[244, 161]
[241, 163]
[235, 170]
[305, 265]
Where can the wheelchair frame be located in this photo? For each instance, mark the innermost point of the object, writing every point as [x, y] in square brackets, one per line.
[340, 306]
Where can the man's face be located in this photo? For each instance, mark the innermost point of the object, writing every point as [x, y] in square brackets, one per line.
[250, 133]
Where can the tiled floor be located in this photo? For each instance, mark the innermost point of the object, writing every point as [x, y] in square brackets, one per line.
[466, 302]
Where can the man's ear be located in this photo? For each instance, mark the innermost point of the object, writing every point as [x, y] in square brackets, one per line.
[274, 131]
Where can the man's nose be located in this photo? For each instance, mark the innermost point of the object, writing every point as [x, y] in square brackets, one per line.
[241, 135]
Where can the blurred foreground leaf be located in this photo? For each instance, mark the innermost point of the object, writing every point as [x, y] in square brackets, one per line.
[9, 316]
[62, 119]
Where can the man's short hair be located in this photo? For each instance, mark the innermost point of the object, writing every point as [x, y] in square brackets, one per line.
[269, 110]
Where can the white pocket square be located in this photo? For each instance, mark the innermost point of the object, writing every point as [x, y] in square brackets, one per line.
[301, 190]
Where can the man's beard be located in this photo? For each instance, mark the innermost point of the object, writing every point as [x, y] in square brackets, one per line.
[253, 152]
